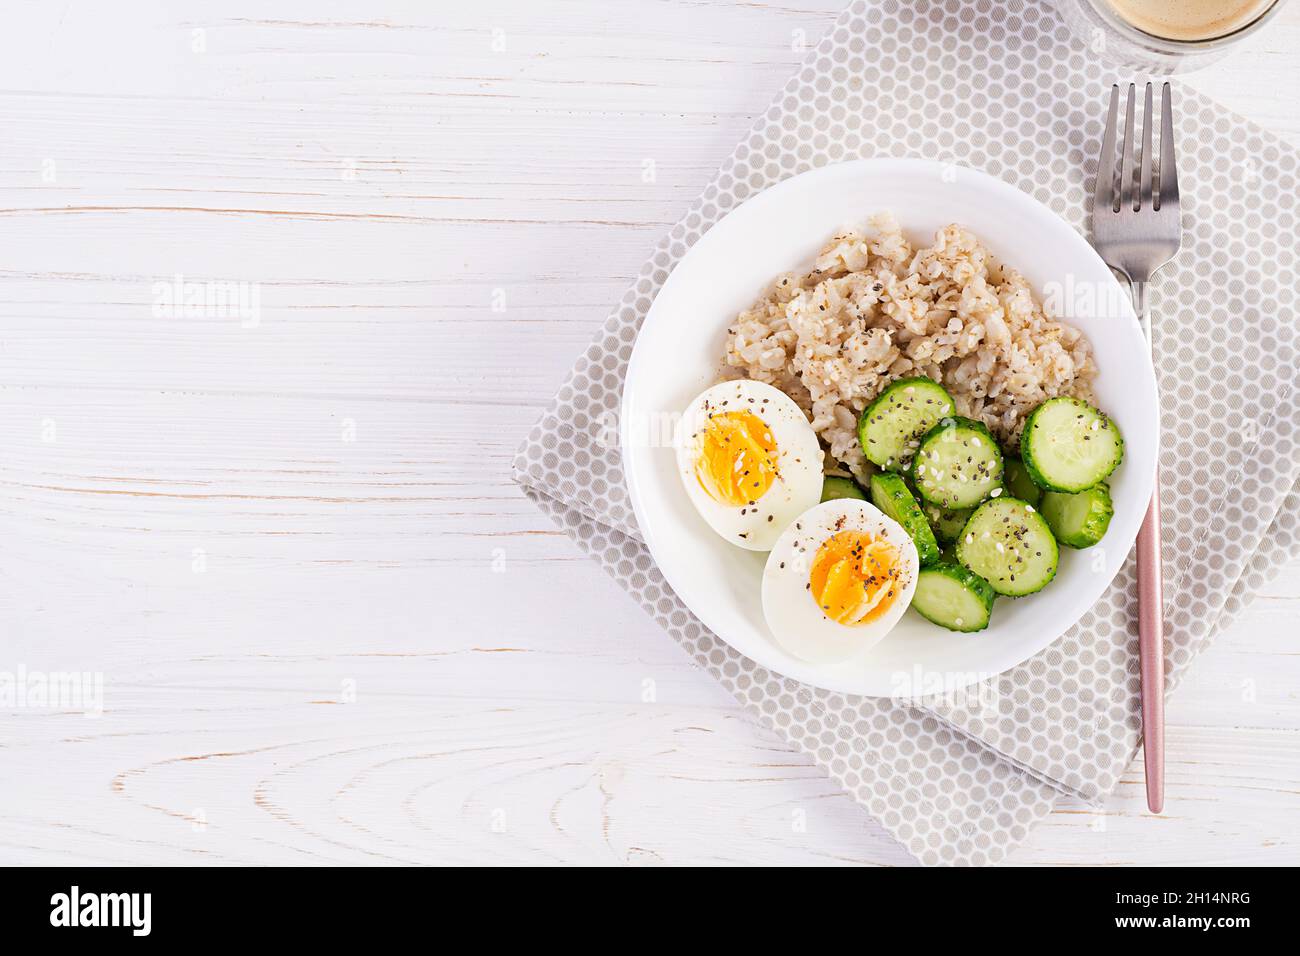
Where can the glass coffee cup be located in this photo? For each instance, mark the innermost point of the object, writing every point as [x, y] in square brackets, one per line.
[1165, 36]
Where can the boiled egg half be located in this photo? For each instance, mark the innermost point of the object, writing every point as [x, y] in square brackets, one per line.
[838, 580]
[750, 461]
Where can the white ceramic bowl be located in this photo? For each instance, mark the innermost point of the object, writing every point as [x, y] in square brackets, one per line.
[678, 354]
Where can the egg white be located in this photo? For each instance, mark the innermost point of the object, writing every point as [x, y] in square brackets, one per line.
[799, 463]
[793, 614]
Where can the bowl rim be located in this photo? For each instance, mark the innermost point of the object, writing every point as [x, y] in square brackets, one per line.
[753, 206]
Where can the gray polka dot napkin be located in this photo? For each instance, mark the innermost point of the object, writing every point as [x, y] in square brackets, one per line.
[1003, 87]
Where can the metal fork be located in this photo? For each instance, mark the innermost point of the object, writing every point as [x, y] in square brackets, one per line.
[1136, 229]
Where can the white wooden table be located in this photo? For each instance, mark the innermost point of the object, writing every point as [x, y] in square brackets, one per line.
[329, 627]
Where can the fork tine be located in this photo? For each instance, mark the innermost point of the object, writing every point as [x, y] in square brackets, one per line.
[1126, 154]
[1168, 167]
[1103, 195]
[1147, 160]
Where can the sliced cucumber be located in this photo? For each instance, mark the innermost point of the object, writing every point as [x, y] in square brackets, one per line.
[954, 597]
[958, 464]
[1008, 544]
[1068, 445]
[891, 496]
[892, 424]
[1019, 484]
[945, 523]
[835, 487]
[1079, 520]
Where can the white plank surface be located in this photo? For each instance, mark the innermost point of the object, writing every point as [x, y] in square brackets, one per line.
[280, 540]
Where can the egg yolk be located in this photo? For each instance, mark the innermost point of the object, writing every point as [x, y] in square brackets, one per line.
[737, 458]
[854, 577]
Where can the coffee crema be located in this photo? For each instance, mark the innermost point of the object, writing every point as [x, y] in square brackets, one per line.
[1189, 19]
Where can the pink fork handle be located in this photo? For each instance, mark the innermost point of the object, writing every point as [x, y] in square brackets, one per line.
[1151, 648]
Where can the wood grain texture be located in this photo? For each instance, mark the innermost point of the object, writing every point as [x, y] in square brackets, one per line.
[330, 628]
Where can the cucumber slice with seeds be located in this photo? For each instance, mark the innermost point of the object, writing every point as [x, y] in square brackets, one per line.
[833, 486]
[945, 522]
[1018, 483]
[891, 426]
[891, 496]
[1079, 520]
[954, 597]
[1008, 544]
[958, 464]
[1069, 446]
